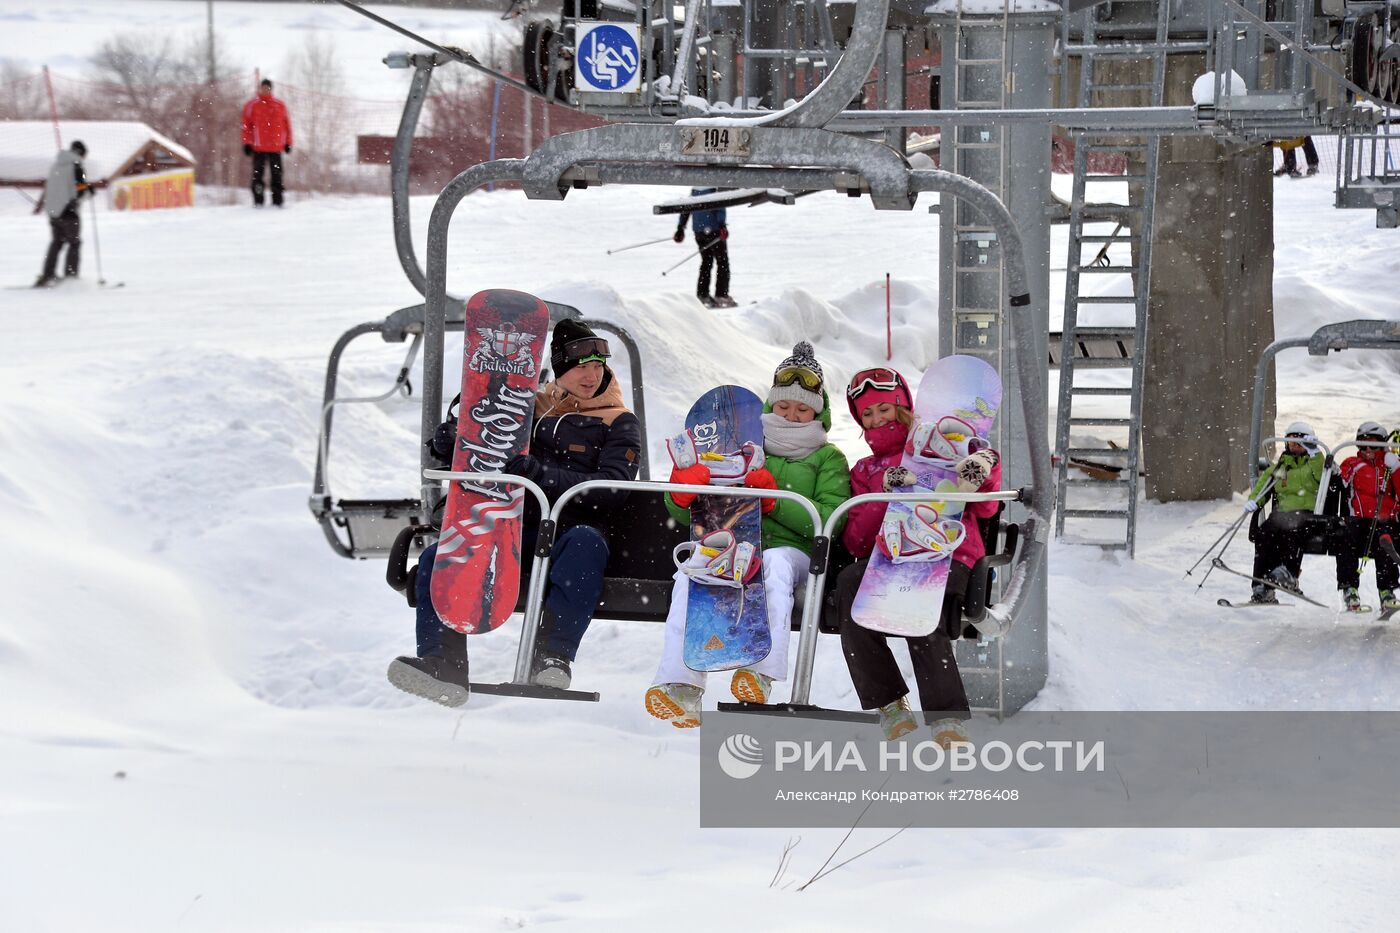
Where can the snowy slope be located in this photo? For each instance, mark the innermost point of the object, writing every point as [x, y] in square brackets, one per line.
[171, 613]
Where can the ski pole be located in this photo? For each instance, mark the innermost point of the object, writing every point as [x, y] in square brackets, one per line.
[623, 249]
[96, 242]
[1231, 530]
[683, 262]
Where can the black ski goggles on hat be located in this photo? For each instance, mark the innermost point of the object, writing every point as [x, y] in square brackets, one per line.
[880, 378]
[586, 349]
[790, 375]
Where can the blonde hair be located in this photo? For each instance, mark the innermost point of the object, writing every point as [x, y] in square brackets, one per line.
[905, 416]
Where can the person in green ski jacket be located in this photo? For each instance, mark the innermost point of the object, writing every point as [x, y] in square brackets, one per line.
[1296, 479]
[798, 457]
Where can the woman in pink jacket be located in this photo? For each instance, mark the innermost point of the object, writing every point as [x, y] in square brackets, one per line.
[881, 401]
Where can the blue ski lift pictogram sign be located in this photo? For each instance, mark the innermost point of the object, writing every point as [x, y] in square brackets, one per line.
[608, 58]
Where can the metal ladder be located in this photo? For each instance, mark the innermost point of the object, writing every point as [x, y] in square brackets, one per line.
[978, 263]
[1113, 502]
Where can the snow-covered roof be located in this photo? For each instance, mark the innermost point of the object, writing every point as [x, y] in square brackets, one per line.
[27, 146]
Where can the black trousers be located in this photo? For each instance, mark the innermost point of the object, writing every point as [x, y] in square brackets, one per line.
[1277, 542]
[1356, 533]
[261, 161]
[714, 250]
[66, 231]
[1290, 158]
[873, 669]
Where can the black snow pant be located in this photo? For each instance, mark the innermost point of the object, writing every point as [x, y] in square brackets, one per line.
[873, 668]
[261, 161]
[66, 230]
[1356, 532]
[1278, 542]
[714, 250]
[1290, 158]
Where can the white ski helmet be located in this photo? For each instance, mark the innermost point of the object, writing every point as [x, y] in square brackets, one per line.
[1304, 434]
[1369, 429]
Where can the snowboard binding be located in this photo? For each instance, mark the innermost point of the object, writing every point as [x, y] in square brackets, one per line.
[921, 535]
[725, 469]
[718, 559]
[945, 441]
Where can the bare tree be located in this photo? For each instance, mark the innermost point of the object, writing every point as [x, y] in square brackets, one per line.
[21, 93]
[321, 116]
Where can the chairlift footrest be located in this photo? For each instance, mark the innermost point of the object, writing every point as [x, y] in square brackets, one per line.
[805, 710]
[532, 691]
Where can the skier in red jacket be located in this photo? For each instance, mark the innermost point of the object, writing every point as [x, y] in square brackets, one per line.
[1372, 478]
[267, 133]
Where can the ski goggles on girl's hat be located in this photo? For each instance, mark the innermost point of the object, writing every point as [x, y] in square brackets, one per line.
[798, 375]
[875, 386]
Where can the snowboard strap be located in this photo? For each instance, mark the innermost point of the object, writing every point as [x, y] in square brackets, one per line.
[717, 559]
[946, 440]
[725, 469]
[921, 535]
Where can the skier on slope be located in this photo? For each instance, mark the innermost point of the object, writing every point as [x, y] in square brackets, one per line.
[1296, 478]
[583, 431]
[66, 184]
[712, 237]
[799, 458]
[881, 401]
[1372, 477]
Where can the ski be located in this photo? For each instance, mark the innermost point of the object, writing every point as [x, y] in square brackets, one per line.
[1229, 605]
[1221, 565]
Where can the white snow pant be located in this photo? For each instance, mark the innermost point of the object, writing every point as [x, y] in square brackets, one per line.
[784, 568]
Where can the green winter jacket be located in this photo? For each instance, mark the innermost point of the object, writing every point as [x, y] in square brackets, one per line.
[822, 476]
[1296, 489]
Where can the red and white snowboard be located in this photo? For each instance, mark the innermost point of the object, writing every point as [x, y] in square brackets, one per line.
[476, 573]
[902, 590]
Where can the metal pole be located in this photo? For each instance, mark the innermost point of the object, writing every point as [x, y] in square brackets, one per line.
[495, 119]
[53, 108]
[209, 6]
[683, 262]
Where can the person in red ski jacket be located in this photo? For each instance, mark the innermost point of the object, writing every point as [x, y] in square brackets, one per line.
[267, 134]
[1372, 478]
[881, 401]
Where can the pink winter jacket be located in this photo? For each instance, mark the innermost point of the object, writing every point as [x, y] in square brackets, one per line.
[868, 475]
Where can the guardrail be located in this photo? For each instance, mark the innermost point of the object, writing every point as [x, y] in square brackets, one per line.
[816, 577]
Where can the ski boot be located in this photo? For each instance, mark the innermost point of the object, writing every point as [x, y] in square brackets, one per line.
[678, 704]
[1352, 599]
[896, 720]
[1262, 595]
[1312, 170]
[707, 301]
[749, 686]
[553, 672]
[46, 281]
[432, 678]
[1295, 174]
[1388, 601]
[950, 732]
[724, 301]
[1284, 579]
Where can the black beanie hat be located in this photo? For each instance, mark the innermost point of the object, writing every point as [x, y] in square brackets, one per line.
[565, 333]
[78, 147]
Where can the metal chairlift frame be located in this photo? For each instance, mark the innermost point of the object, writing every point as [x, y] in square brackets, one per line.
[790, 149]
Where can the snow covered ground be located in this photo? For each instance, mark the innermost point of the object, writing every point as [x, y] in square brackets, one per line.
[195, 725]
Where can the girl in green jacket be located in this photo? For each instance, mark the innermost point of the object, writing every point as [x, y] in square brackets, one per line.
[1296, 479]
[799, 458]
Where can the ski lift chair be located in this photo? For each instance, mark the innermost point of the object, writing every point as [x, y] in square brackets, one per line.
[372, 528]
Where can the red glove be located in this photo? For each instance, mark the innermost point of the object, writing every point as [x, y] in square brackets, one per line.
[762, 479]
[698, 475]
[724, 233]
